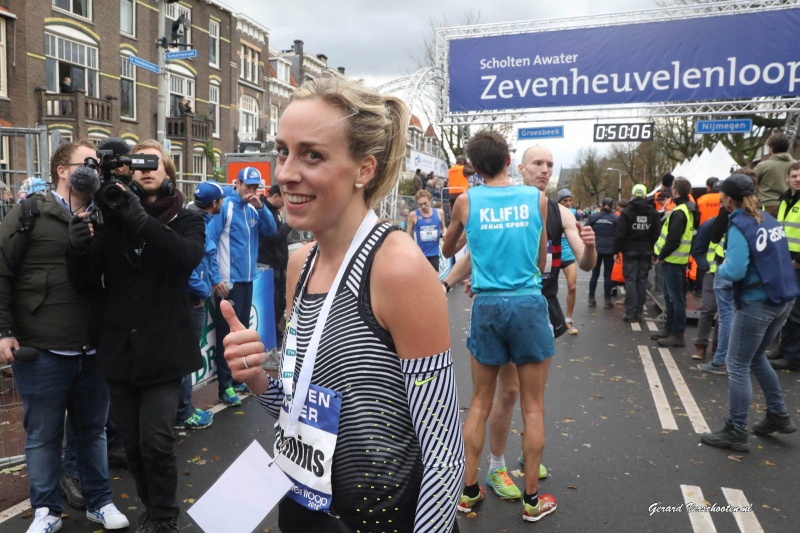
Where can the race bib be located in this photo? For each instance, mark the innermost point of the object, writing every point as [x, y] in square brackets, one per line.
[308, 457]
[548, 266]
[428, 233]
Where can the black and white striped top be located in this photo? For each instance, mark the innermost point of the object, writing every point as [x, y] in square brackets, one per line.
[377, 465]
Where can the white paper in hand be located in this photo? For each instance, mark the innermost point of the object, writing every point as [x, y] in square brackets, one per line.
[243, 495]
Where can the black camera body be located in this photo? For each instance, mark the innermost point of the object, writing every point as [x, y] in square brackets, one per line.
[109, 194]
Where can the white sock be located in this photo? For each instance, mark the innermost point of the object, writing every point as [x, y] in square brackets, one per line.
[568, 320]
[497, 462]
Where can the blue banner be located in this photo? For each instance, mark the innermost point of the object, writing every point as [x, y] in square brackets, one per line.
[705, 58]
[542, 132]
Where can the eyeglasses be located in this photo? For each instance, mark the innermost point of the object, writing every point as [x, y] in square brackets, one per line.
[75, 164]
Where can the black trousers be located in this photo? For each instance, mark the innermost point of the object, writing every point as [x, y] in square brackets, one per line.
[144, 418]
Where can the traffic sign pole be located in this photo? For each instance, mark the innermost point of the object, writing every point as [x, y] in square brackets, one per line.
[161, 113]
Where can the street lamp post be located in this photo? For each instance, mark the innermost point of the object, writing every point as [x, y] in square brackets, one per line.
[619, 190]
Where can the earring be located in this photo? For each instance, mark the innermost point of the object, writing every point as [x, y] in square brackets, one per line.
[359, 185]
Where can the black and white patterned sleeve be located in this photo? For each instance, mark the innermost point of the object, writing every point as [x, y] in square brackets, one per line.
[433, 403]
[272, 398]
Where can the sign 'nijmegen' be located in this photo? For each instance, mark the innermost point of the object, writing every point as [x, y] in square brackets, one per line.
[706, 58]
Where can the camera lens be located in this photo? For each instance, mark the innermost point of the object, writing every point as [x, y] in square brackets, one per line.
[112, 195]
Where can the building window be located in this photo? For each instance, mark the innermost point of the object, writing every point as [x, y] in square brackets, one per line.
[127, 17]
[199, 166]
[213, 103]
[81, 8]
[3, 73]
[248, 64]
[128, 88]
[273, 119]
[179, 87]
[213, 43]
[73, 60]
[248, 118]
[283, 72]
[177, 158]
[174, 11]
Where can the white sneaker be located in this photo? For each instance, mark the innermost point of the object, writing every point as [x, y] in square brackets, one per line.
[43, 522]
[109, 516]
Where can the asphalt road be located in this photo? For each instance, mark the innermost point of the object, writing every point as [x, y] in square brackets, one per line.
[615, 448]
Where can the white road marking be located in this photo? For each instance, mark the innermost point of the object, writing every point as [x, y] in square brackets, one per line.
[659, 397]
[635, 326]
[701, 522]
[746, 521]
[651, 325]
[11, 512]
[695, 416]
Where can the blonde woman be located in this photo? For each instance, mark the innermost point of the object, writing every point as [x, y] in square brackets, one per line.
[368, 425]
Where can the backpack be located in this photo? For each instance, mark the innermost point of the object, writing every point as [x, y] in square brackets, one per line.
[27, 217]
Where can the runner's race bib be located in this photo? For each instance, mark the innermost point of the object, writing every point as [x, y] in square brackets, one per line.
[549, 264]
[307, 458]
[428, 233]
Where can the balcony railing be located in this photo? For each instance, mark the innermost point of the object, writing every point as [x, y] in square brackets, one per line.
[74, 107]
[182, 127]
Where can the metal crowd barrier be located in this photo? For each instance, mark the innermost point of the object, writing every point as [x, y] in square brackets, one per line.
[12, 433]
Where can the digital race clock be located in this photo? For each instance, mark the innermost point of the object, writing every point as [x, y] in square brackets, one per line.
[605, 133]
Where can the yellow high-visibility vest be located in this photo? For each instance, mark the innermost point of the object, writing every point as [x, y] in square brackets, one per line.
[681, 254]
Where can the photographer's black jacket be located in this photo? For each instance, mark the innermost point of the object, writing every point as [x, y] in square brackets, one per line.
[147, 335]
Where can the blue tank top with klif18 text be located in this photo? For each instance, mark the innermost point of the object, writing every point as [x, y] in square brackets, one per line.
[503, 230]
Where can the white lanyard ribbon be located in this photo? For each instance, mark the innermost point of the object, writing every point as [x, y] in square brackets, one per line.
[297, 398]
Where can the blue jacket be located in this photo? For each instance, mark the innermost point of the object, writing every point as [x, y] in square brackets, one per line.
[235, 231]
[200, 280]
[604, 225]
[742, 267]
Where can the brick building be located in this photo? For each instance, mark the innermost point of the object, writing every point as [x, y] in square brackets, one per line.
[230, 84]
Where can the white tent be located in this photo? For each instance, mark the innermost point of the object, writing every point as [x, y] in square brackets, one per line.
[715, 163]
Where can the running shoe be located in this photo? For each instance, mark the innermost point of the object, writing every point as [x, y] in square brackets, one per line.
[714, 369]
[242, 388]
[229, 398]
[199, 420]
[465, 504]
[571, 329]
[546, 505]
[109, 516]
[502, 485]
[542, 470]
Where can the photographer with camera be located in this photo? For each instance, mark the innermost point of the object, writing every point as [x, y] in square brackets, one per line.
[40, 309]
[143, 253]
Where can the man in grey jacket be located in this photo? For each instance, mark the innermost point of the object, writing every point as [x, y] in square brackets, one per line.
[772, 173]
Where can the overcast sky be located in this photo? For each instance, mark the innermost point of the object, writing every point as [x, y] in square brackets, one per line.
[376, 40]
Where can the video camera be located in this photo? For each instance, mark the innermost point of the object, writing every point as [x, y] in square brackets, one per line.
[109, 194]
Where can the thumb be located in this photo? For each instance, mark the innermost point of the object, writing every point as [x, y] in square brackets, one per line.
[229, 315]
[578, 225]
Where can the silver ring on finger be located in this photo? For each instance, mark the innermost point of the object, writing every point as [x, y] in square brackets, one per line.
[245, 362]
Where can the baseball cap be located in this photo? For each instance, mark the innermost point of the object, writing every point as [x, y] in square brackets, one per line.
[250, 176]
[275, 189]
[608, 201]
[564, 193]
[639, 191]
[208, 192]
[737, 186]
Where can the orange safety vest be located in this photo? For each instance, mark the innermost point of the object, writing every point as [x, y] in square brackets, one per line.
[708, 205]
[456, 180]
[671, 203]
[616, 272]
[691, 273]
